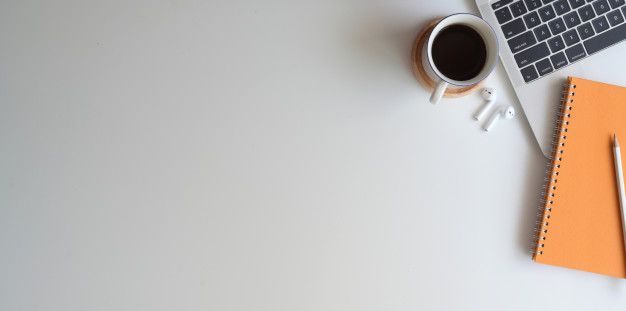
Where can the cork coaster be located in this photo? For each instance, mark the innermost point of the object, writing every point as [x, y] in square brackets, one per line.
[420, 72]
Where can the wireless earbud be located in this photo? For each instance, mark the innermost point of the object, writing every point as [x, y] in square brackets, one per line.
[489, 94]
[504, 112]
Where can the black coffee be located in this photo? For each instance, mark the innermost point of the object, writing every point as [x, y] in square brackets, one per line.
[459, 52]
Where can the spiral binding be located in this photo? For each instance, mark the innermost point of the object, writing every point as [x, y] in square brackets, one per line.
[549, 188]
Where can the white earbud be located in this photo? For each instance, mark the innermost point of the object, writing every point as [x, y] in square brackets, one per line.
[489, 94]
[504, 112]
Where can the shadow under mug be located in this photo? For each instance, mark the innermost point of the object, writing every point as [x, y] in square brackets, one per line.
[491, 45]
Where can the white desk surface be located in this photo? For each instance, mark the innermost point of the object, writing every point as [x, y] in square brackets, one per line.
[258, 155]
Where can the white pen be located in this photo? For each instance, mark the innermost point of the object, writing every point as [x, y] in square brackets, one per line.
[619, 173]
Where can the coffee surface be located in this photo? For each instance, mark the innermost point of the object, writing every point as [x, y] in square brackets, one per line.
[459, 52]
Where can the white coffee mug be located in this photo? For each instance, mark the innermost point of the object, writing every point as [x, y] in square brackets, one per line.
[491, 45]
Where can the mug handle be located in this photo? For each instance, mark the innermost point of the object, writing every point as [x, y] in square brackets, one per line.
[438, 92]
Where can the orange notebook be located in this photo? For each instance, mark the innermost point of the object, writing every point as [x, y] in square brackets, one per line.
[580, 223]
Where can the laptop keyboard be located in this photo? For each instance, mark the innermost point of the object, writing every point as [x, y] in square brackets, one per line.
[546, 35]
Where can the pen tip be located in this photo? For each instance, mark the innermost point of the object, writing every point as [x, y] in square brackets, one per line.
[615, 141]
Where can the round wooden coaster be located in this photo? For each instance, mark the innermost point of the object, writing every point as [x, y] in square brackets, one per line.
[420, 72]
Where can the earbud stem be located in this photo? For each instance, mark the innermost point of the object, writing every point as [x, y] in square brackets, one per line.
[483, 110]
[492, 121]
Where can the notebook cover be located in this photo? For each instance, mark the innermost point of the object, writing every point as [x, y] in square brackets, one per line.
[580, 226]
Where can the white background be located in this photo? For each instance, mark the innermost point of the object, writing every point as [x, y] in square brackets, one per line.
[258, 155]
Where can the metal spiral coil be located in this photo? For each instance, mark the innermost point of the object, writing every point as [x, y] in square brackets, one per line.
[562, 114]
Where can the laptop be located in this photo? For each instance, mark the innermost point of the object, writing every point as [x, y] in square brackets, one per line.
[544, 41]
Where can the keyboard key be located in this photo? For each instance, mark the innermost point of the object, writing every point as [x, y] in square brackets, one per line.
[556, 44]
[522, 41]
[624, 10]
[498, 4]
[557, 26]
[571, 37]
[547, 1]
[586, 13]
[531, 19]
[615, 18]
[532, 4]
[585, 30]
[600, 24]
[542, 33]
[544, 67]
[529, 73]
[561, 7]
[513, 28]
[601, 7]
[571, 19]
[558, 60]
[503, 15]
[606, 39]
[576, 3]
[546, 13]
[518, 8]
[575, 53]
[531, 55]
[616, 3]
